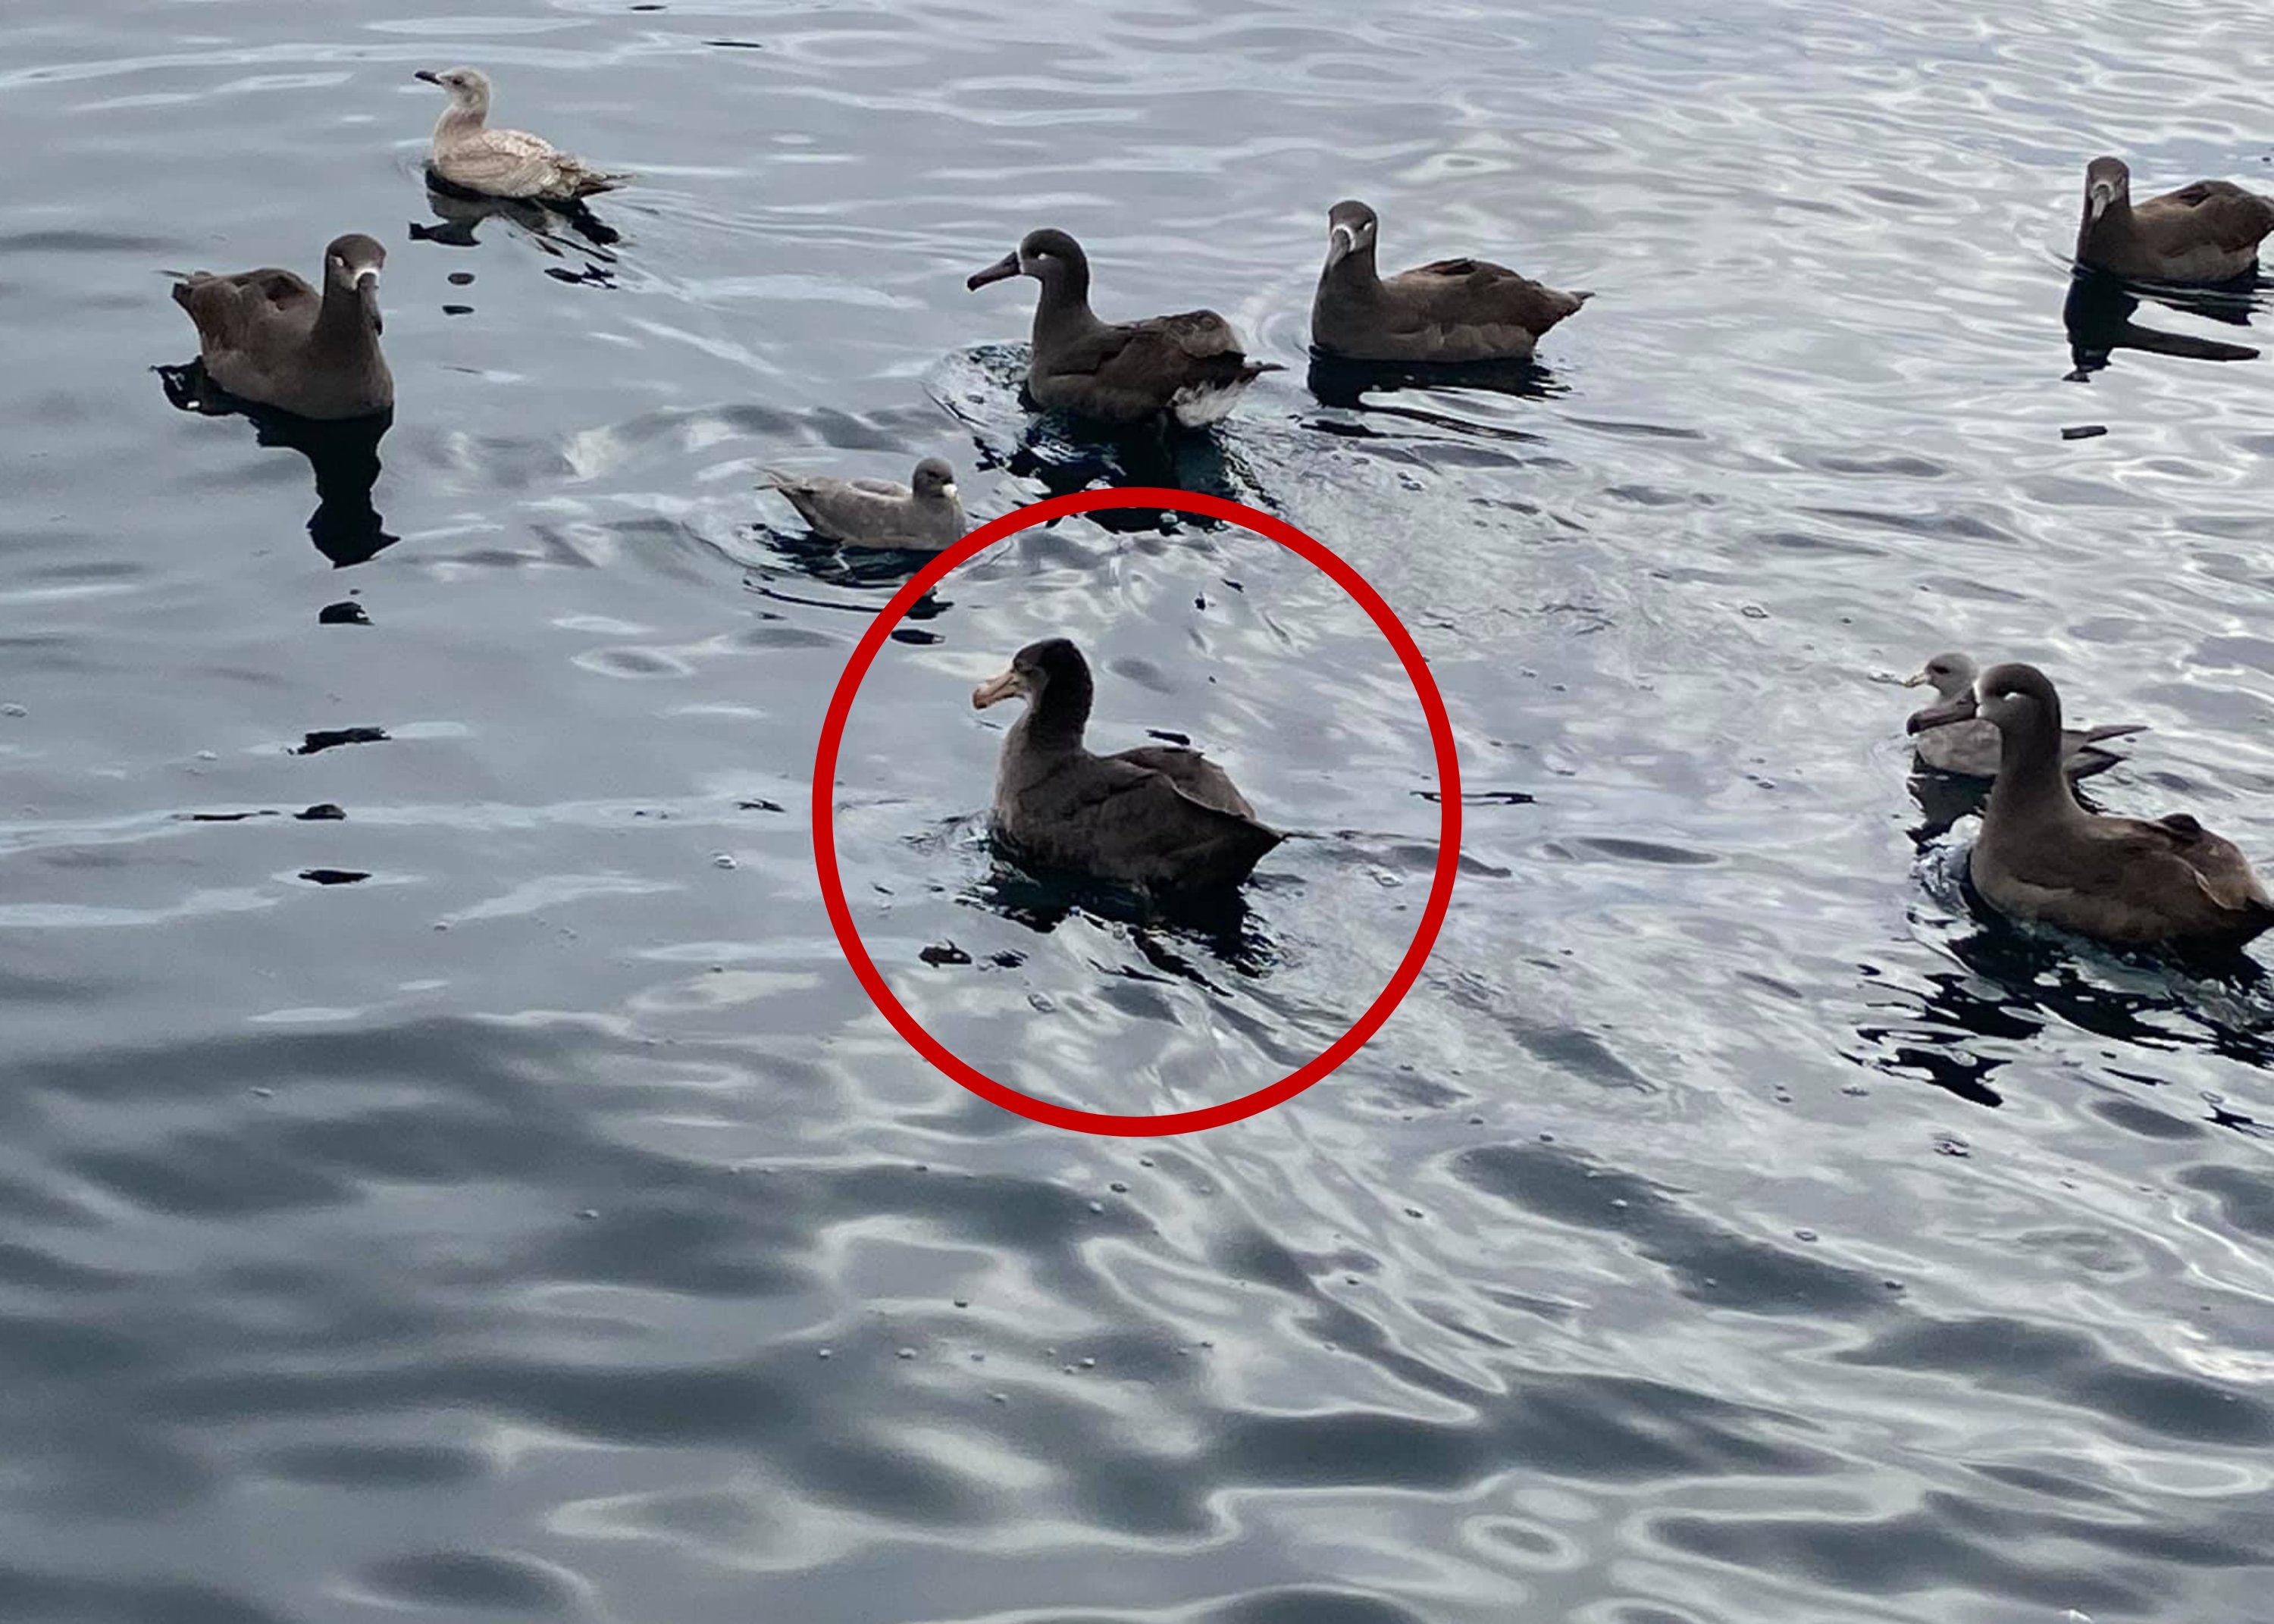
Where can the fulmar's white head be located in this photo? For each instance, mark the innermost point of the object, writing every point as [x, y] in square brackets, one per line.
[1948, 674]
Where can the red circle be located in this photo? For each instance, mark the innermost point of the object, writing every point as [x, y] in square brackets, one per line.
[1103, 1123]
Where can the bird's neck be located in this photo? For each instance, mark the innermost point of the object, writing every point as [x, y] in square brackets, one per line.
[341, 323]
[458, 122]
[1357, 270]
[2031, 777]
[1056, 720]
[2115, 225]
[1064, 309]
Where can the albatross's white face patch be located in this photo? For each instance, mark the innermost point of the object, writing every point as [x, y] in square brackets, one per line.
[1198, 405]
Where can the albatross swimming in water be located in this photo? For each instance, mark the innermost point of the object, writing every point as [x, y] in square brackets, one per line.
[1448, 311]
[267, 337]
[2207, 232]
[2042, 856]
[1185, 369]
[1157, 818]
[502, 163]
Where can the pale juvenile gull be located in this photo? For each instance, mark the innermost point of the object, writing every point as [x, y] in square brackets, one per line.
[502, 163]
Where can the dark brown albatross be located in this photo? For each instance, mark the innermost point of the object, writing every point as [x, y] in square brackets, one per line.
[2042, 856]
[267, 337]
[1448, 311]
[1159, 818]
[2208, 232]
[1185, 369]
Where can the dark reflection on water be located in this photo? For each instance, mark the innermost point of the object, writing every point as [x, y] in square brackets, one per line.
[1217, 923]
[2018, 978]
[1340, 382]
[343, 455]
[459, 213]
[1943, 798]
[451, 1172]
[856, 566]
[985, 389]
[2098, 316]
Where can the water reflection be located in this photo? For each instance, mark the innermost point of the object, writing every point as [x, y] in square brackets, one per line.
[2098, 310]
[1336, 381]
[459, 213]
[1943, 798]
[1217, 923]
[1345, 384]
[825, 561]
[1932, 1036]
[1055, 453]
[984, 389]
[2145, 999]
[344, 455]
[1963, 1025]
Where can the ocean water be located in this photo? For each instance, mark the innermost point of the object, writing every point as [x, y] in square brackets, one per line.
[502, 1201]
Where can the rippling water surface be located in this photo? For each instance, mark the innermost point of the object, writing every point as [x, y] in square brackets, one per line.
[502, 1201]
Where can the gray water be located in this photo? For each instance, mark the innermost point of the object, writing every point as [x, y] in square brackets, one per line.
[1733, 1225]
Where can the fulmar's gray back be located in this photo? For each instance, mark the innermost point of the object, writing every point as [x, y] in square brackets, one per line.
[1970, 748]
[925, 515]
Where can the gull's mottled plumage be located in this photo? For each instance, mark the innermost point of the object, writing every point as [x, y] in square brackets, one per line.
[2041, 855]
[502, 163]
[267, 337]
[1970, 747]
[1157, 818]
[924, 514]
